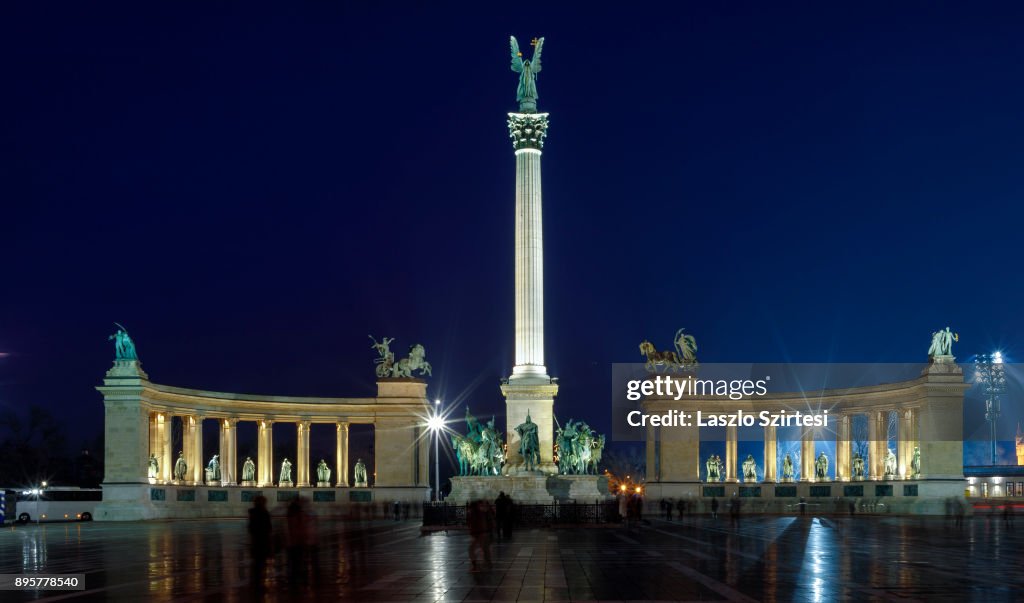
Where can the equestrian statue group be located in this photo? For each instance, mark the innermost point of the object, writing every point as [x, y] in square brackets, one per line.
[579, 449]
[481, 451]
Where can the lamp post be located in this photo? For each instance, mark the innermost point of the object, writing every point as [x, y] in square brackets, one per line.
[991, 373]
[435, 423]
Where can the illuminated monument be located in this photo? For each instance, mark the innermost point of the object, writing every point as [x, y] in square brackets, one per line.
[529, 390]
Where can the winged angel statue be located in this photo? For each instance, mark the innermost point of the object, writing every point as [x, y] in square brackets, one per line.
[527, 70]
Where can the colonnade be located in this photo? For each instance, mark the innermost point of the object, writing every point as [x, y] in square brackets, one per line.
[160, 446]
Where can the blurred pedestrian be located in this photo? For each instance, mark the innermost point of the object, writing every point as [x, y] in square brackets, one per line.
[681, 508]
[260, 542]
[714, 507]
[481, 523]
[300, 538]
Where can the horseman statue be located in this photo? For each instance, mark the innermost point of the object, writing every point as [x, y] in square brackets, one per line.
[579, 449]
[481, 451]
[682, 359]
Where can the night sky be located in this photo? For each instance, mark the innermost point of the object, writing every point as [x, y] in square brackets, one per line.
[252, 192]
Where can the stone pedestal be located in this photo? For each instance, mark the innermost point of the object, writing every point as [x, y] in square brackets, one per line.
[578, 488]
[323, 484]
[522, 488]
[286, 485]
[248, 484]
[530, 489]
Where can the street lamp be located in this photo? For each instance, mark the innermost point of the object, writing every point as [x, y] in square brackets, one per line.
[435, 423]
[990, 371]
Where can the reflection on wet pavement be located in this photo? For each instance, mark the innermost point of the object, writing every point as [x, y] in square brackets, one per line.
[762, 558]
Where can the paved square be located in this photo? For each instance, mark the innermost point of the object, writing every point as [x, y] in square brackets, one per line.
[763, 558]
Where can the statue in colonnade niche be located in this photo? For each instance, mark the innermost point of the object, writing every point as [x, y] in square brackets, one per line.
[858, 466]
[787, 468]
[323, 473]
[154, 466]
[821, 466]
[248, 470]
[890, 464]
[750, 469]
[712, 469]
[719, 468]
[915, 463]
[360, 474]
[286, 472]
[180, 467]
[213, 469]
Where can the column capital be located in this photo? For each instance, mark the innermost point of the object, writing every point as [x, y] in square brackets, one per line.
[527, 130]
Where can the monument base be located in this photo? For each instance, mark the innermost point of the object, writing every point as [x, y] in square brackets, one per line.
[286, 484]
[579, 488]
[323, 484]
[530, 489]
[248, 484]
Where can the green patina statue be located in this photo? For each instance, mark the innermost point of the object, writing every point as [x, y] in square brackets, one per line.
[526, 94]
[124, 347]
[529, 443]
[180, 467]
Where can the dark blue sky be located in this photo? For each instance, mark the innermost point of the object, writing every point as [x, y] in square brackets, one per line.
[251, 192]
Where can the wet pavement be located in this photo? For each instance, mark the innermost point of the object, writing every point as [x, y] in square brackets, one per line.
[762, 558]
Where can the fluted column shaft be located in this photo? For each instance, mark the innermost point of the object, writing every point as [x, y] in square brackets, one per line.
[771, 444]
[843, 471]
[341, 443]
[529, 266]
[302, 454]
[807, 455]
[730, 453]
[265, 453]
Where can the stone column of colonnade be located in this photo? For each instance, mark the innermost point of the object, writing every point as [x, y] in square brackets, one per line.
[907, 441]
[771, 444]
[228, 451]
[730, 453]
[342, 454]
[843, 459]
[807, 455]
[265, 453]
[160, 444]
[878, 436]
[188, 443]
[302, 455]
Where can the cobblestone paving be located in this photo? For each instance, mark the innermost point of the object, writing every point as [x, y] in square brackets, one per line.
[762, 558]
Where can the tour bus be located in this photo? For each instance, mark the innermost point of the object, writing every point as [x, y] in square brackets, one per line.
[57, 504]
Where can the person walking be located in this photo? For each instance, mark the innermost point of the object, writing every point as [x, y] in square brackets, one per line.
[481, 524]
[714, 508]
[259, 542]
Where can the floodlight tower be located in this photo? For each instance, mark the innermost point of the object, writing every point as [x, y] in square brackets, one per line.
[990, 372]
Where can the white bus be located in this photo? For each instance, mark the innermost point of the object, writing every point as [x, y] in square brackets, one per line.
[57, 504]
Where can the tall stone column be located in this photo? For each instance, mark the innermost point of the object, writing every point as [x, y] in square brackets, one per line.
[529, 391]
[730, 453]
[154, 439]
[807, 455]
[165, 456]
[265, 453]
[903, 440]
[187, 442]
[341, 443]
[843, 472]
[874, 457]
[228, 451]
[302, 454]
[771, 447]
[196, 465]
